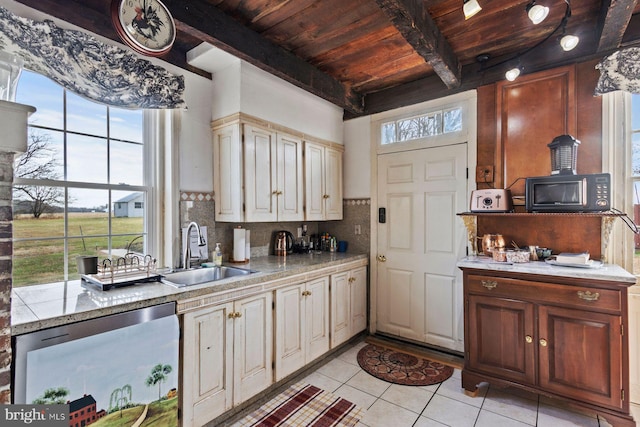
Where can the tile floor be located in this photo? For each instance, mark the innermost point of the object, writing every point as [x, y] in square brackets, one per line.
[445, 404]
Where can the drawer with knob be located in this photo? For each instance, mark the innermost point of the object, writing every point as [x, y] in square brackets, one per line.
[606, 300]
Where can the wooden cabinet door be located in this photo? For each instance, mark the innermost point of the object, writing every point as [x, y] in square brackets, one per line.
[290, 330]
[317, 318]
[580, 354]
[207, 364]
[358, 297]
[227, 174]
[253, 344]
[499, 338]
[290, 189]
[333, 184]
[314, 171]
[259, 174]
[532, 111]
[340, 302]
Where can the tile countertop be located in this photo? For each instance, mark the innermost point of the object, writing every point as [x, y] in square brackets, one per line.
[609, 272]
[44, 306]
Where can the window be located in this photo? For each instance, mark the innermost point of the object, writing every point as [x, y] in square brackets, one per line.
[427, 125]
[635, 175]
[83, 159]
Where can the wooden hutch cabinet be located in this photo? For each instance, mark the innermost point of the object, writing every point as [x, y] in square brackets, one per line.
[556, 331]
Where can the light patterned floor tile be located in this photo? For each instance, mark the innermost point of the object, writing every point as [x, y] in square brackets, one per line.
[412, 398]
[452, 388]
[368, 383]
[552, 416]
[451, 412]
[511, 406]
[490, 419]
[351, 355]
[322, 381]
[385, 414]
[360, 398]
[427, 422]
[339, 370]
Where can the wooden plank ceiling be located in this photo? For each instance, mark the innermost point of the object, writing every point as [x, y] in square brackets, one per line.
[368, 56]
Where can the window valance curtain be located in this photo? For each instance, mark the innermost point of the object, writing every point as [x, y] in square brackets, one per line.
[88, 67]
[620, 71]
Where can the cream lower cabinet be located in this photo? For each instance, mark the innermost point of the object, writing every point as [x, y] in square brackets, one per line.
[348, 304]
[227, 356]
[301, 325]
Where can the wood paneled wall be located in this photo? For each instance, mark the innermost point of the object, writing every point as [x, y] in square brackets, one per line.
[516, 121]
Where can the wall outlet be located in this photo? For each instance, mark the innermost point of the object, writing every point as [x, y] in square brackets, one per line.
[358, 230]
[484, 174]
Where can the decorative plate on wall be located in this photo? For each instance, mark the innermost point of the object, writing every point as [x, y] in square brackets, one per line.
[146, 26]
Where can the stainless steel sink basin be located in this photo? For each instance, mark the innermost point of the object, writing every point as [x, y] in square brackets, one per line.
[196, 276]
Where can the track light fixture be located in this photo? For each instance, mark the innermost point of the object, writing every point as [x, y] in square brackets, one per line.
[513, 73]
[537, 13]
[567, 41]
[470, 8]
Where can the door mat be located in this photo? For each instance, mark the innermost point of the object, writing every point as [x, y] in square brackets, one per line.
[304, 405]
[397, 367]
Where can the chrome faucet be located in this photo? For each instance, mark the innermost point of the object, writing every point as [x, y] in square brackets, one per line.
[186, 254]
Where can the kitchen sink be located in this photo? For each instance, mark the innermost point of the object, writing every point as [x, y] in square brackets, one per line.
[181, 278]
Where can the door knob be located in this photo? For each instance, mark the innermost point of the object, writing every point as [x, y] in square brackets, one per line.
[528, 339]
[382, 258]
[543, 342]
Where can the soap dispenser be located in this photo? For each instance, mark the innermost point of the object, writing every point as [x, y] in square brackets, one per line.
[217, 255]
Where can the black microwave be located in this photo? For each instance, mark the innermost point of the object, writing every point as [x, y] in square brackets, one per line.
[568, 193]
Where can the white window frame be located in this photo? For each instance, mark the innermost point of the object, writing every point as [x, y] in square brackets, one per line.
[161, 177]
[616, 160]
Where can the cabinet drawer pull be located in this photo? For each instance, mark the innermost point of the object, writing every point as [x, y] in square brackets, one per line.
[528, 339]
[543, 342]
[588, 295]
[489, 284]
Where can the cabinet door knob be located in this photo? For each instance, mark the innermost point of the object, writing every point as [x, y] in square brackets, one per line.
[528, 339]
[238, 314]
[232, 315]
[489, 284]
[326, 196]
[588, 295]
[352, 279]
[382, 258]
[543, 342]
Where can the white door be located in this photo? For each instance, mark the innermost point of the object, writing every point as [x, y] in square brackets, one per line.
[259, 174]
[317, 318]
[208, 363]
[333, 184]
[419, 285]
[252, 346]
[289, 178]
[358, 284]
[340, 320]
[290, 330]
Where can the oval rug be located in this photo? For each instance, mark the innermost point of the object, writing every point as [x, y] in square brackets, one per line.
[397, 367]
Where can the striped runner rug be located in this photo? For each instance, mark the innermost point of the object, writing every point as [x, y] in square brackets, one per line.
[304, 405]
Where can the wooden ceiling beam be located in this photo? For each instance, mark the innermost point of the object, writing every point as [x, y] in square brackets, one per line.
[413, 21]
[201, 19]
[612, 23]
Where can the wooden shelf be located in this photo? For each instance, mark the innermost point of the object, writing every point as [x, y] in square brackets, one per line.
[560, 231]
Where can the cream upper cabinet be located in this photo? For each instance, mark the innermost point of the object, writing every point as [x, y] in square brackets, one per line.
[348, 304]
[227, 173]
[301, 325]
[227, 356]
[258, 173]
[323, 182]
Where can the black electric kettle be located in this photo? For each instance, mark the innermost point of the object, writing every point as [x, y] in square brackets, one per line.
[282, 242]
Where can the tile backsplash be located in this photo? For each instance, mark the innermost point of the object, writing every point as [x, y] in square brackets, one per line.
[200, 207]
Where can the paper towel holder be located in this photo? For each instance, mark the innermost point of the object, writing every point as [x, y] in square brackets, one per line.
[238, 255]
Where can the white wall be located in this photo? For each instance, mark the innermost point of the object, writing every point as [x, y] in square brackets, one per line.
[357, 158]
